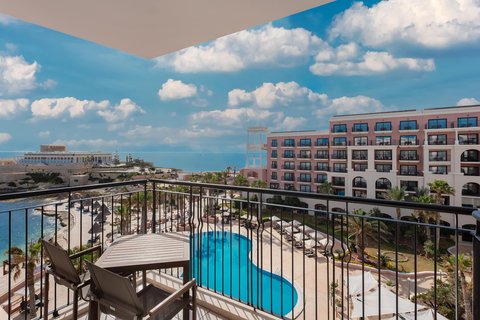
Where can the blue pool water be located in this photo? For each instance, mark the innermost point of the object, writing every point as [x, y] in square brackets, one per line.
[239, 277]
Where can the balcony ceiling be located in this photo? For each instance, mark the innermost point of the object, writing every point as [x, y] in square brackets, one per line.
[151, 28]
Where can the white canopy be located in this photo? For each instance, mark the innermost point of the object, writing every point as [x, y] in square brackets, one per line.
[421, 315]
[355, 283]
[306, 229]
[310, 244]
[332, 243]
[299, 237]
[291, 230]
[275, 218]
[318, 235]
[385, 306]
[296, 223]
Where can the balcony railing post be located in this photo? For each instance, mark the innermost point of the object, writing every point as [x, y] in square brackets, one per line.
[154, 209]
[476, 267]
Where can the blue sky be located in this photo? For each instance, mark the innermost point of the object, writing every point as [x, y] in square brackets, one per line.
[291, 74]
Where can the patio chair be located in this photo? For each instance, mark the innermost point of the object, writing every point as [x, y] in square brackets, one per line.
[64, 273]
[116, 296]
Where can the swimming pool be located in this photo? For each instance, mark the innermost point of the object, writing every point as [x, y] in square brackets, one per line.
[236, 275]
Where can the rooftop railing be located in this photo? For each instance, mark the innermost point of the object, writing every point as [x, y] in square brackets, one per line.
[287, 253]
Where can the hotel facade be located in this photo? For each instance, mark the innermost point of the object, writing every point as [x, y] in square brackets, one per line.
[364, 155]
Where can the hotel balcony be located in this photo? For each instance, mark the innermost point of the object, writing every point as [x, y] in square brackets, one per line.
[254, 253]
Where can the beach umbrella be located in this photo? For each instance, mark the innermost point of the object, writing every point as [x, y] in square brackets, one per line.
[291, 230]
[96, 205]
[316, 235]
[309, 244]
[295, 223]
[96, 228]
[101, 217]
[299, 237]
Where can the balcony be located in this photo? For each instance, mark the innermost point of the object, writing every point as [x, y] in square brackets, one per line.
[304, 168]
[321, 156]
[339, 156]
[294, 252]
[304, 179]
[288, 178]
[322, 168]
[304, 156]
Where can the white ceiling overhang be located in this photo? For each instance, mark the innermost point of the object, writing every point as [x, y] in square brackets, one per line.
[151, 28]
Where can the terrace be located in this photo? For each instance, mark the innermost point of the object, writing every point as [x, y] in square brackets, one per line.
[255, 253]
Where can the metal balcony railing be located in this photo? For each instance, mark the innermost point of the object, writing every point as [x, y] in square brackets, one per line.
[246, 243]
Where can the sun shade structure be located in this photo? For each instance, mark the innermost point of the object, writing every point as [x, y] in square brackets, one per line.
[151, 28]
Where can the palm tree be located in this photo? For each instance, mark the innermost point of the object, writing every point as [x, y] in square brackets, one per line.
[464, 266]
[397, 194]
[259, 184]
[18, 262]
[368, 229]
[240, 181]
[440, 188]
[425, 215]
[326, 187]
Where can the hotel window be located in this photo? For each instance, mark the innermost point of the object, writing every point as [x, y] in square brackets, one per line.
[274, 143]
[359, 193]
[437, 124]
[470, 156]
[383, 141]
[340, 141]
[360, 127]
[467, 122]
[305, 177]
[383, 184]
[383, 126]
[409, 185]
[360, 154]
[289, 143]
[322, 142]
[321, 178]
[288, 186]
[408, 140]
[305, 154]
[305, 188]
[437, 139]
[289, 165]
[322, 166]
[360, 166]
[383, 154]
[289, 154]
[408, 125]
[305, 142]
[438, 169]
[322, 154]
[471, 138]
[339, 167]
[339, 154]
[360, 141]
[359, 182]
[408, 155]
[383, 167]
[274, 185]
[408, 170]
[289, 176]
[438, 156]
[470, 171]
[274, 176]
[305, 166]
[338, 181]
[339, 128]
[274, 154]
[471, 189]
[274, 165]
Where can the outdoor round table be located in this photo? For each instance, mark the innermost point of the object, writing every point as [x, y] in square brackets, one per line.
[142, 252]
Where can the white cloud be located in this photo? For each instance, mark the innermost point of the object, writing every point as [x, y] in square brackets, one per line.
[467, 102]
[121, 112]
[266, 46]
[68, 106]
[428, 23]
[291, 123]
[349, 105]
[176, 89]
[9, 107]
[370, 63]
[235, 117]
[4, 137]
[17, 75]
[92, 144]
[44, 134]
[269, 95]
[5, 19]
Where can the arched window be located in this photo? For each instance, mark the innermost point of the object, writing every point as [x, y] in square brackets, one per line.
[470, 155]
[383, 184]
[359, 182]
[471, 189]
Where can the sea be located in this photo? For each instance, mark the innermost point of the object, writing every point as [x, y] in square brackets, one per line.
[13, 224]
[186, 161]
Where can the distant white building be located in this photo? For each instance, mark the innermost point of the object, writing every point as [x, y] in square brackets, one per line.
[59, 155]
